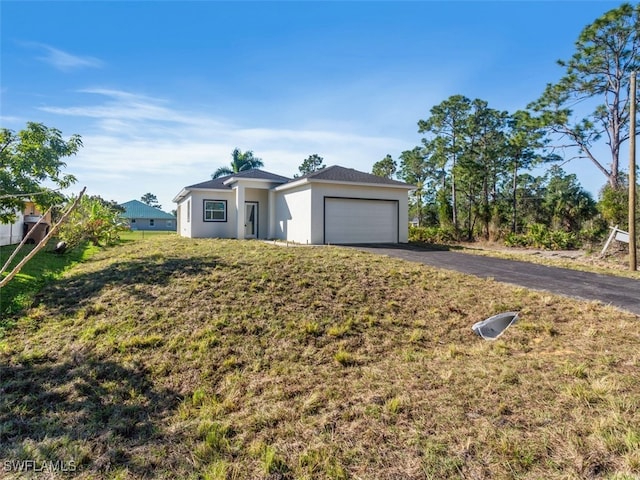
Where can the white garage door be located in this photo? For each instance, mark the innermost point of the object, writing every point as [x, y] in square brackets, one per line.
[348, 220]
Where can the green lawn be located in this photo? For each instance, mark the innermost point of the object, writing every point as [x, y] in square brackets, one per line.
[143, 234]
[179, 358]
[39, 271]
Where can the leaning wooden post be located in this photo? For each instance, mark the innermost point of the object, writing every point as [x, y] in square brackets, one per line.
[42, 243]
[633, 263]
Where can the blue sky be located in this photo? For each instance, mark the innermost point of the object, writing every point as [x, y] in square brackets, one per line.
[161, 91]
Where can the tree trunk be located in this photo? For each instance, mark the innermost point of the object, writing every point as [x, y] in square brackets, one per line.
[514, 197]
[454, 209]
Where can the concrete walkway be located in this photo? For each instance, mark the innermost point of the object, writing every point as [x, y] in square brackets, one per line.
[617, 291]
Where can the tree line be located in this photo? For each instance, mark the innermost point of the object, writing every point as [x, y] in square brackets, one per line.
[472, 167]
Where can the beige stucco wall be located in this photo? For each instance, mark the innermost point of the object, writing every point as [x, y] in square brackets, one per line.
[196, 227]
[292, 220]
[300, 210]
[321, 190]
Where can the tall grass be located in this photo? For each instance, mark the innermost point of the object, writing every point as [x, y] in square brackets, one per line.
[182, 358]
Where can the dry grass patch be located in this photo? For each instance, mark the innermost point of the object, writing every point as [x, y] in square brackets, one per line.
[616, 263]
[178, 358]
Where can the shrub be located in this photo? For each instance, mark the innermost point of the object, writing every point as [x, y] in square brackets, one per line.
[432, 234]
[95, 220]
[540, 236]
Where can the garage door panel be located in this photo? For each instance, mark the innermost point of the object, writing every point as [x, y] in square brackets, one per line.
[360, 221]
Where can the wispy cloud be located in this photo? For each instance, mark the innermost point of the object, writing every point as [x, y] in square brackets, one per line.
[144, 143]
[64, 61]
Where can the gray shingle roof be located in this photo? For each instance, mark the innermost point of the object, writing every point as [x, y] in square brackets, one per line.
[215, 183]
[334, 173]
[342, 174]
[218, 183]
[260, 174]
[137, 209]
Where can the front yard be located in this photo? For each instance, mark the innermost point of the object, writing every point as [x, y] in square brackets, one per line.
[176, 358]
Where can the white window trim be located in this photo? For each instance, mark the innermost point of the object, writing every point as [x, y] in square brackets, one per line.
[204, 211]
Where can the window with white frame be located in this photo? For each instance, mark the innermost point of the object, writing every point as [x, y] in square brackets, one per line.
[215, 210]
[188, 211]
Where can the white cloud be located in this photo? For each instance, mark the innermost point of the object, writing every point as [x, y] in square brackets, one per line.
[9, 120]
[135, 144]
[65, 61]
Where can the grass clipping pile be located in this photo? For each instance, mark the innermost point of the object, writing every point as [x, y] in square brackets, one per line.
[178, 358]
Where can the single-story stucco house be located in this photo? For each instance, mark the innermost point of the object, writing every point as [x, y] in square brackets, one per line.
[141, 216]
[335, 205]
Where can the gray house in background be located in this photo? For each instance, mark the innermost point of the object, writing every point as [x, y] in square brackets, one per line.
[141, 216]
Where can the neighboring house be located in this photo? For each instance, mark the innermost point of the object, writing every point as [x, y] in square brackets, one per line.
[26, 220]
[331, 206]
[11, 233]
[32, 213]
[141, 216]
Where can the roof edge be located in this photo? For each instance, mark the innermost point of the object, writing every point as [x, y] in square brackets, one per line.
[303, 181]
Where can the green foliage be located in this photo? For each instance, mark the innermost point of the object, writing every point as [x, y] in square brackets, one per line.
[435, 235]
[151, 200]
[594, 234]
[417, 168]
[469, 168]
[344, 358]
[567, 204]
[607, 51]
[385, 168]
[95, 220]
[613, 205]
[470, 164]
[444, 209]
[40, 270]
[239, 163]
[216, 441]
[29, 159]
[445, 144]
[540, 236]
[311, 164]
[272, 463]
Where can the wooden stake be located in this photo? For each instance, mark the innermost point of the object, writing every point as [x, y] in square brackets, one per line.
[633, 263]
[42, 243]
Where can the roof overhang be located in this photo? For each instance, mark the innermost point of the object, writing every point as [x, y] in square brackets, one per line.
[256, 181]
[303, 181]
[187, 191]
[178, 198]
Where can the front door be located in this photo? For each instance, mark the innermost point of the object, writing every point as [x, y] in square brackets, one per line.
[250, 220]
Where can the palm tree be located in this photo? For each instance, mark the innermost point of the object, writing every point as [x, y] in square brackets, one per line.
[240, 162]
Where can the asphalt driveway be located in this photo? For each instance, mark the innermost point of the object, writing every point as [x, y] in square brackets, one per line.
[617, 291]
